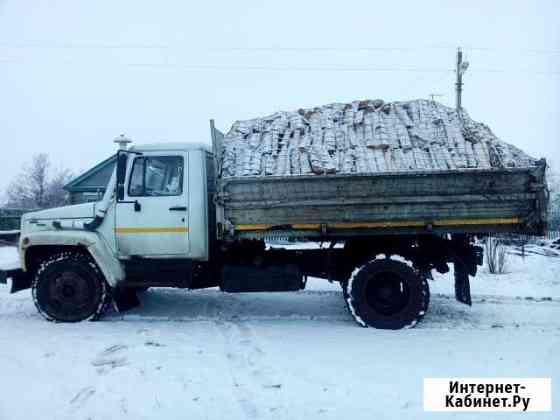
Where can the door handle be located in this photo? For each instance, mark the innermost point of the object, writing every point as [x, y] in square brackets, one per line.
[177, 208]
[137, 205]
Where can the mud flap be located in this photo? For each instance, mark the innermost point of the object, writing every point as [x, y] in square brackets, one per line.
[462, 284]
[19, 279]
[125, 299]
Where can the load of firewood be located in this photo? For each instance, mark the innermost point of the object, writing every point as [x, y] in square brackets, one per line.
[364, 137]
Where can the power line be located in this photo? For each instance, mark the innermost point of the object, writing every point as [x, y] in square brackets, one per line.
[375, 49]
[322, 49]
[293, 68]
[258, 67]
[89, 45]
[200, 67]
[521, 50]
[73, 45]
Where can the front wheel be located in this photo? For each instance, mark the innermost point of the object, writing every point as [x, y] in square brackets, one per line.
[68, 287]
[387, 294]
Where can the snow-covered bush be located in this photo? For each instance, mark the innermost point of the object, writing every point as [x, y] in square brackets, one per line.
[553, 178]
[496, 257]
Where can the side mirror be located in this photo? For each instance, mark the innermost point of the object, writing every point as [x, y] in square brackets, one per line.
[122, 159]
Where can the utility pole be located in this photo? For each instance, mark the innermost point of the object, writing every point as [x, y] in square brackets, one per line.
[459, 83]
[461, 68]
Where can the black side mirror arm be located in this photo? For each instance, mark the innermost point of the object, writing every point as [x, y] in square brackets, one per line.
[122, 161]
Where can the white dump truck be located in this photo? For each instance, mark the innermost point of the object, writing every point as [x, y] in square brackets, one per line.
[169, 219]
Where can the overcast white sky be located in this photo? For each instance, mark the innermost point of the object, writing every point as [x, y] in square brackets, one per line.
[74, 74]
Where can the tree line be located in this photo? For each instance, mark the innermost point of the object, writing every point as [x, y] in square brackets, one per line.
[39, 185]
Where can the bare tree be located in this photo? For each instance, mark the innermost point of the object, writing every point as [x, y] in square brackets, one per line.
[496, 257]
[38, 185]
[55, 194]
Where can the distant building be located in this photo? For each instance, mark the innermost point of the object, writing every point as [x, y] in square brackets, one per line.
[90, 186]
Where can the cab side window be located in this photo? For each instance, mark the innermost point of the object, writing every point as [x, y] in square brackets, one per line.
[156, 176]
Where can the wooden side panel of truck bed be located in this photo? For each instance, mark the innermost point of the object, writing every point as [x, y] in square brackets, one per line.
[461, 201]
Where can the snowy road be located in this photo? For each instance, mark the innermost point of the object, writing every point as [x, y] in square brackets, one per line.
[212, 355]
[298, 355]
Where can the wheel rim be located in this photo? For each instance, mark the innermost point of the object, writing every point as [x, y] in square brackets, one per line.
[71, 295]
[387, 293]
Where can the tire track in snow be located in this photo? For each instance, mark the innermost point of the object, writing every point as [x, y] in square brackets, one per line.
[244, 395]
[82, 396]
[110, 358]
[103, 362]
[253, 378]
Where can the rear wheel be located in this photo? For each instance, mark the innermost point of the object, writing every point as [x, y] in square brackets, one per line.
[68, 287]
[344, 286]
[387, 294]
[426, 294]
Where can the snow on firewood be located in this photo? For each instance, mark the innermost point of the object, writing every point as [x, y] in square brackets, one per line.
[365, 137]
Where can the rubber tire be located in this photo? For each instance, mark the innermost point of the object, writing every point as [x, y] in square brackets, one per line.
[367, 316]
[69, 261]
[426, 292]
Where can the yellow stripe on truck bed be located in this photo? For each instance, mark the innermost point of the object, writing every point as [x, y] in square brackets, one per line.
[386, 224]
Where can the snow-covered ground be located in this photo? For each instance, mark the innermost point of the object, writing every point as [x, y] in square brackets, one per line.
[8, 258]
[211, 355]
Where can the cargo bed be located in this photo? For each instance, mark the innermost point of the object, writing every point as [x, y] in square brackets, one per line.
[321, 206]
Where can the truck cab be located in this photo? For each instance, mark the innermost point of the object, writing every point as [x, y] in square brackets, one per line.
[162, 211]
[150, 229]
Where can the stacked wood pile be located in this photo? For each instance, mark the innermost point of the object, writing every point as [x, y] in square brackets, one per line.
[364, 137]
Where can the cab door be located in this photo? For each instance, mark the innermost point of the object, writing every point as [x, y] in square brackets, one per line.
[152, 220]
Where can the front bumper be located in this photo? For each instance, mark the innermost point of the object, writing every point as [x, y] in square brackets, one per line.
[17, 278]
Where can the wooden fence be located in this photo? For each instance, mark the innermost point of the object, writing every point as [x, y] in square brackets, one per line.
[520, 240]
[553, 235]
[10, 218]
